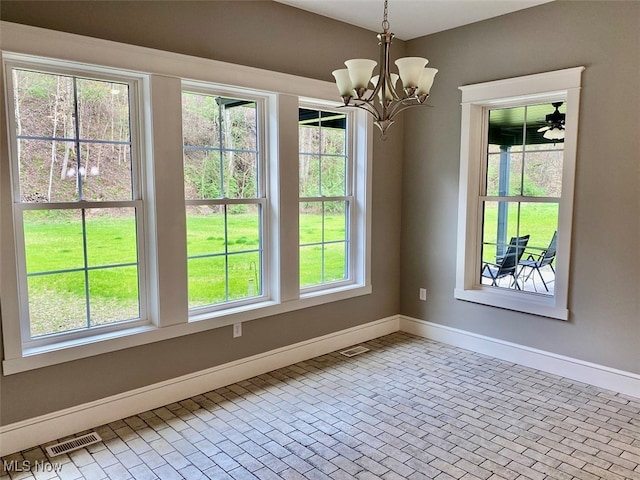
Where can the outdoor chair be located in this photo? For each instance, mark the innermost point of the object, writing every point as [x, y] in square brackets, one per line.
[506, 265]
[535, 261]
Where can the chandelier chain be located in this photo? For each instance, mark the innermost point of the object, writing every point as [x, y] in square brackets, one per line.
[385, 22]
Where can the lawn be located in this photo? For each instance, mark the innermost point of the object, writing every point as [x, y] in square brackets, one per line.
[539, 220]
[61, 290]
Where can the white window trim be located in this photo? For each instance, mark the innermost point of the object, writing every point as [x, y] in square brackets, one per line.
[135, 83]
[352, 215]
[263, 199]
[476, 99]
[166, 240]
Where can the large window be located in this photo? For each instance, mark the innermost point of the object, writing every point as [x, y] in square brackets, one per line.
[521, 192]
[225, 199]
[149, 200]
[325, 197]
[77, 204]
[516, 192]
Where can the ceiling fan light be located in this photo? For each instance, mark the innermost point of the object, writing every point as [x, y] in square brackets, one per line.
[554, 133]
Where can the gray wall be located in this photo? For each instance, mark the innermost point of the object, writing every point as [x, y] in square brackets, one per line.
[260, 34]
[604, 325]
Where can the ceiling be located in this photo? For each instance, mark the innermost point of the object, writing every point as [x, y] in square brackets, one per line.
[410, 19]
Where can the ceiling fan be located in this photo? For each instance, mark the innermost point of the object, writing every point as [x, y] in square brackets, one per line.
[554, 128]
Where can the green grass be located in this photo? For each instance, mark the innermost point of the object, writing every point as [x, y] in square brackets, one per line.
[539, 220]
[54, 242]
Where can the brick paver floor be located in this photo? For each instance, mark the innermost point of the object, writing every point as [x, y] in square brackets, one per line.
[409, 408]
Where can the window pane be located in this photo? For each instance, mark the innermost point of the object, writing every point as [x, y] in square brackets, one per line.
[105, 172]
[335, 258]
[202, 174]
[244, 275]
[309, 136]
[520, 160]
[335, 221]
[540, 221]
[333, 176]
[57, 303]
[200, 120]
[310, 265]
[111, 236]
[43, 104]
[48, 171]
[334, 139]
[113, 295]
[243, 228]
[543, 173]
[503, 223]
[239, 124]
[207, 281]
[240, 175]
[53, 240]
[310, 222]
[504, 173]
[506, 128]
[103, 108]
[309, 176]
[205, 230]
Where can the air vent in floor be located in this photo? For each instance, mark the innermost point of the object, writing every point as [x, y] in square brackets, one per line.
[353, 351]
[73, 444]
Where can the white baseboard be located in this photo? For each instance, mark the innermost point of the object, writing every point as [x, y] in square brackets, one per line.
[619, 381]
[36, 431]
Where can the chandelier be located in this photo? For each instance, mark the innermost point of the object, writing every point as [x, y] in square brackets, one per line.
[384, 101]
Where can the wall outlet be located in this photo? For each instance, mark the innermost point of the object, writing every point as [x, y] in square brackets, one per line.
[237, 330]
[423, 294]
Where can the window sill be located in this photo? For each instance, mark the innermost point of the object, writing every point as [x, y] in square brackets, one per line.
[521, 302]
[69, 350]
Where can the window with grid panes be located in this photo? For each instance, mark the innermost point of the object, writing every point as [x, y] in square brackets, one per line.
[326, 199]
[516, 192]
[522, 191]
[77, 201]
[225, 199]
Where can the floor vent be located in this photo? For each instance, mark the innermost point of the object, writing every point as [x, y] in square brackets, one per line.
[353, 351]
[73, 444]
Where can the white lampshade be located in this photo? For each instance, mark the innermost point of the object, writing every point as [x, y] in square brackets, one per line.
[360, 70]
[394, 81]
[426, 80]
[410, 69]
[343, 81]
[554, 133]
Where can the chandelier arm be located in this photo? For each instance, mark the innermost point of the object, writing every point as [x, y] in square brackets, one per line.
[367, 107]
[401, 106]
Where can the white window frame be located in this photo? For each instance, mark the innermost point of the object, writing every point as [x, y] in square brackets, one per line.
[135, 83]
[262, 198]
[560, 85]
[162, 74]
[348, 197]
[359, 137]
